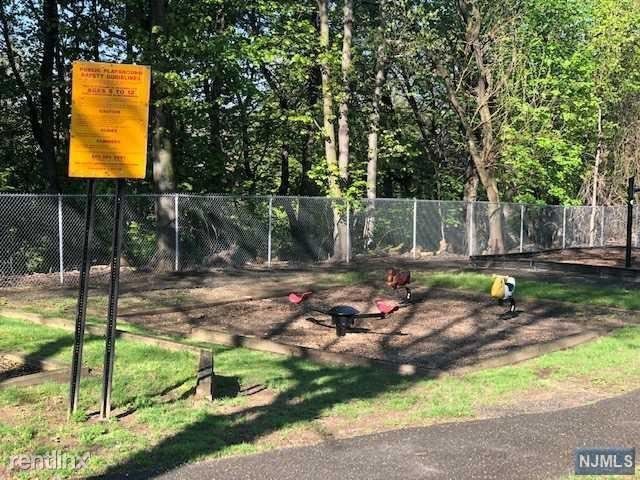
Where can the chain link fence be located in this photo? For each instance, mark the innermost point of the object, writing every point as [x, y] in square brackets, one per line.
[41, 235]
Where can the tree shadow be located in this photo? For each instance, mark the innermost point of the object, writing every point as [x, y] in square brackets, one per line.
[316, 391]
[313, 393]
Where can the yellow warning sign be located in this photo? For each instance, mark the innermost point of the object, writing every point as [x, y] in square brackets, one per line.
[109, 119]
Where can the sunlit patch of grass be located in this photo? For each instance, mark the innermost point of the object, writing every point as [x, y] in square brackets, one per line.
[580, 293]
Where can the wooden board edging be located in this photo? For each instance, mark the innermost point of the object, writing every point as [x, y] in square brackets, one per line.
[335, 358]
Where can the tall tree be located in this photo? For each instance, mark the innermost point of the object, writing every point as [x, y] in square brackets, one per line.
[374, 124]
[343, 120]
[482, 84]
[328, 116]
[161, 143]
[334, 171]
[41, 112]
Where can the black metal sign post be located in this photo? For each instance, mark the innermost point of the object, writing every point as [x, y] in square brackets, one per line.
[81, 313]
[109, 354]
[631, 193]
[106, 143]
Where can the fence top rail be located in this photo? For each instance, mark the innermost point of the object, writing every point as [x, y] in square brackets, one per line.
[299, 198]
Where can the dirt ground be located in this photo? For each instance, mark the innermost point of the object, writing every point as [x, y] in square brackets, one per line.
[603, 257]
[136, 279]
[441, 329]
[150, 292]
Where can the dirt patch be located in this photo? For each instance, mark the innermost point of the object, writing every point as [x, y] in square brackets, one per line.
[567, 394]
[10, 368]
[441, 329]
[545, 372]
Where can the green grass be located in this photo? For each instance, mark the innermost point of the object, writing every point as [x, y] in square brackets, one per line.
[305, 398]
[580, 293]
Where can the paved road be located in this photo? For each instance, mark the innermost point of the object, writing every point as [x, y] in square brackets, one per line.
[535, 446]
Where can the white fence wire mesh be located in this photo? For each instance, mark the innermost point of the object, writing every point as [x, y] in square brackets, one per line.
[41, 235]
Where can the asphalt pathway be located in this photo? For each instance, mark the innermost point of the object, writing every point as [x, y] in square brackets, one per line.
[532, 446]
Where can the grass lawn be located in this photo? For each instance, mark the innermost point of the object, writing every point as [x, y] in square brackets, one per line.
[295, 401]
[581, 293]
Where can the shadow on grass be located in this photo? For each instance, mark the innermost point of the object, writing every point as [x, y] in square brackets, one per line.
[314, 392]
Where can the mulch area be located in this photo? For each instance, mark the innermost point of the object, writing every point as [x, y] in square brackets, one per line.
[442, 329]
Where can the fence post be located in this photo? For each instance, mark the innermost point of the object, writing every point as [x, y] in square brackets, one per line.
[415, 223]
[521, 228]
[269, 237]
[471, 227]
[60, 241]
[602, 226]
[348, 231]
[177, 230]
[564, 227]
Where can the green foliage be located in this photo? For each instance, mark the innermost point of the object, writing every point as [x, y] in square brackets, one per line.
[240, 85]
[139, 241]
[576, 58]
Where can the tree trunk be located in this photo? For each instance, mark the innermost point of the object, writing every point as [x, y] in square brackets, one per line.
[596, 180]
[95, 47]
[327, 102]
[343, 121]
[313, 84]
[482, 150]
[470, 197]
[335, 189]
[212, 93]
[283, 189]
[470, 183]
[50, 35]
[372, 139]
[161, 151]
[496, 239]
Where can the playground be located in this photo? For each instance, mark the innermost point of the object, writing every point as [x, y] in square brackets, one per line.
[442, 328]
[266, 401]
[439, 330]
